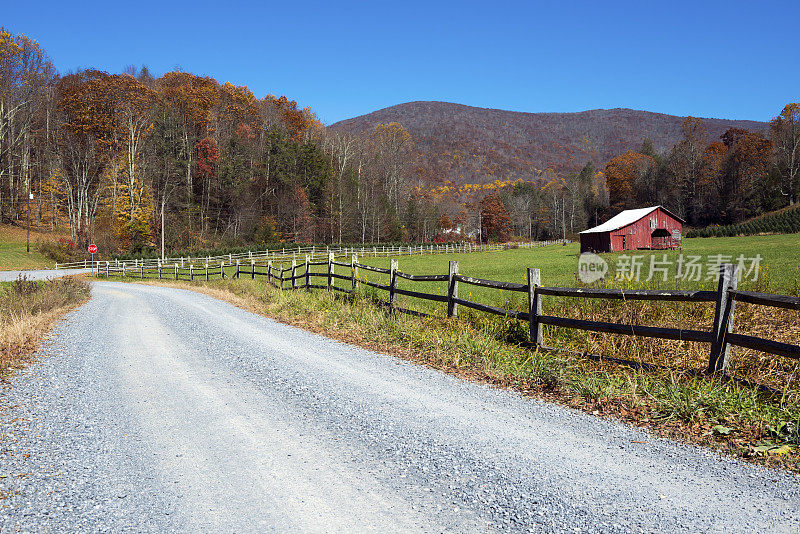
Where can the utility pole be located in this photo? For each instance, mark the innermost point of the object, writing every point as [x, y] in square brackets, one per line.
[28, 237]
[162, 233]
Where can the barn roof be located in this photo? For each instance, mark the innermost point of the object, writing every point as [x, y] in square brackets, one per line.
[625, 218]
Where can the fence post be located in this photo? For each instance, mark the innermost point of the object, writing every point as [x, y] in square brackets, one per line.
[176, 271]
[452, 290]
[252, 269]
[330, 270]
[123, 269]
[106, 269]
[393, 282]
[282, 271]
[308, 277]
[534, 306]
[159, 270]
[723, 318]
[237, 269]
[354, 269]
[141, 271]
[191, 273]
[294, 272]
[222, 270]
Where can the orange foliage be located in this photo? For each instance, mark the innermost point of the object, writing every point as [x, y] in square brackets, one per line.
[621, 174]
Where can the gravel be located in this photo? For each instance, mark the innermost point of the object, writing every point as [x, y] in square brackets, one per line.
[158, 409]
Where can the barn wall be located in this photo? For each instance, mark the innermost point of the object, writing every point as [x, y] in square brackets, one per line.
[638, 234]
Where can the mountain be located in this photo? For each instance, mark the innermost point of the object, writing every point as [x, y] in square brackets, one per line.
[477, 145]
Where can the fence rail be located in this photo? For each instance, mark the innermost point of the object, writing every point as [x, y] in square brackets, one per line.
[299, 276]
[296, 253]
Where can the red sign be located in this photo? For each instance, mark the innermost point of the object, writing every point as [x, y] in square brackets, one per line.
[92, 248]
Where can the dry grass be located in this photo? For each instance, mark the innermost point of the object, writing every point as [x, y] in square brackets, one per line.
[19, 233]
[776, 372]
[27, 312]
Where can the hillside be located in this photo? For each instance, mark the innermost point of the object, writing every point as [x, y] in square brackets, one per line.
[783, 221]
[477, 145]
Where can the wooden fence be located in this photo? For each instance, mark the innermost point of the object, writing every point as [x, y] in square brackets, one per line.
[303, 276]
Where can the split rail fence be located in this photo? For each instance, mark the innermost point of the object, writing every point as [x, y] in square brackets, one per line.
[303, 276]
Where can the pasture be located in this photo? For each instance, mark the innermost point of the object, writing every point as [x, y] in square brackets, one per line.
[780, 263]
[12, 249]
[778, 273]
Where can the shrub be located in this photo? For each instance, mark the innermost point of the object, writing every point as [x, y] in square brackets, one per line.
[62, 251]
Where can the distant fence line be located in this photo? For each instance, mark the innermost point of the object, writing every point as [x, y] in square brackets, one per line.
[297, 253]
[302, 276]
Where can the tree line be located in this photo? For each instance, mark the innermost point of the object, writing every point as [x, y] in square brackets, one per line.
[707, 182]
[130, 160]
[724, 181]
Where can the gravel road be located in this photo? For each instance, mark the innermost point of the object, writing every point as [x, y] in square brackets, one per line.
[158, 409]
[40, 274]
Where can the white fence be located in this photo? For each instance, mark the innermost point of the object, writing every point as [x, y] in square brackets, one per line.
[298, 253]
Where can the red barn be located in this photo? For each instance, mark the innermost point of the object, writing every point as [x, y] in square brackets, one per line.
[648, 228]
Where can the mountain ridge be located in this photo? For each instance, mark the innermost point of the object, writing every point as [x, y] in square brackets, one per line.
[467, 144]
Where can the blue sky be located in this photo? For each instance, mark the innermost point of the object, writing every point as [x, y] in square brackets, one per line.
[711, 59]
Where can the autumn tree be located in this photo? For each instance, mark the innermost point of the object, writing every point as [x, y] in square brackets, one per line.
[622, 173]
[684, 164]
[301, 217]
[207, 159]
[131, 105]
[342, 146]
[86, 144]
[525, 203]
[494, 219]
[393, 145]
[745, 173]
[168, 159]
[193, 98]
[27, 78]
[785, 134]
[444, 224]
[710, 183]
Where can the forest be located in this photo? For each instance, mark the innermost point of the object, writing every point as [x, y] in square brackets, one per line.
[130, 161]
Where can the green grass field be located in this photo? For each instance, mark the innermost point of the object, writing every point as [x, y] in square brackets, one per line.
[779, 266]
[12, 250]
